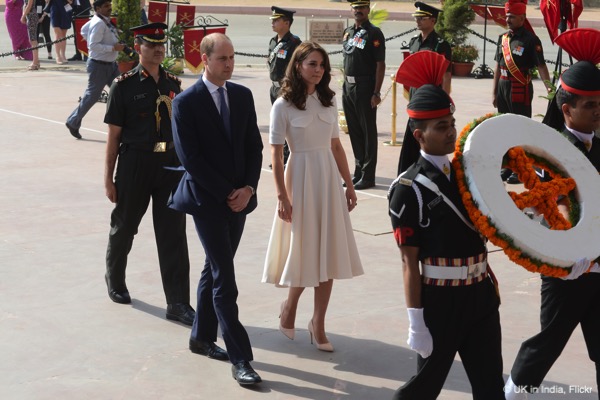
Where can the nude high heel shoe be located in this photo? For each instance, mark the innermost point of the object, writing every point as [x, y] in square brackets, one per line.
[321, 346]
[289, 333]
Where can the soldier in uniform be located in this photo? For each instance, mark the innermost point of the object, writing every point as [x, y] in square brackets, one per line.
[364, 69]
[575, 300]
[518, 51]
[281, 48]
[139, 135]
[426, 17]
[450, 297]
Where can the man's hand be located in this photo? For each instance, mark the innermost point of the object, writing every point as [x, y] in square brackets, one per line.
[419, 337]
[577, 269]
[375, 100]
[111, 191]
[239, 198]
[118, 47]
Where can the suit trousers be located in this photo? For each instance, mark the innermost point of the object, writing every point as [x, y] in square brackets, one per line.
[217, 289]
[463, 319]
[99, 76]
[362, 127]
[565, 304]
[141, 176]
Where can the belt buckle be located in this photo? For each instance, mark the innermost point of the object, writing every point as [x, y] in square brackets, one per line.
[350, 79]
[160, 147]
[474, 273]
[504, 73]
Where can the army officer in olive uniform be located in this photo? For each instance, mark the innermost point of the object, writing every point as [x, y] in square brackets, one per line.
[139, 136]
[281, 48]
[364, 69]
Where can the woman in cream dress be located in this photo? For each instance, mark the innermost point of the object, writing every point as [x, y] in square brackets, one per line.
[311, 240]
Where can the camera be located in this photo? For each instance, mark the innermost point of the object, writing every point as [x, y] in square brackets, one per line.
[128, 50]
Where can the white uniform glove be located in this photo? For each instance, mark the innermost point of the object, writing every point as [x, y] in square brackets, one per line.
[577, 269]
[595, 268]
[419, 338]
[513, 392]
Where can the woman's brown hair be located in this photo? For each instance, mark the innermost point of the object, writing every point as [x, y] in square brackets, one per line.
[293, 88]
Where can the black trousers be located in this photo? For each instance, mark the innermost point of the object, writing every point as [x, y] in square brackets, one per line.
[141, 176]
[362, 127]
[505, 103]
[463, 319]
[565, 304]
[44, 29]
[217, 289]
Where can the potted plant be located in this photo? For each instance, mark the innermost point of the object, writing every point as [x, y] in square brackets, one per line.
[463, 59]
[129, 16]
[453, 26]
[174, 62]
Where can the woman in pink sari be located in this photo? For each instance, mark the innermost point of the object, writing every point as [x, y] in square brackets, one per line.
[16, 30]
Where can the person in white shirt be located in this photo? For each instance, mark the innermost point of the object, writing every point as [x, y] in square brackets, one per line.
[103, 46]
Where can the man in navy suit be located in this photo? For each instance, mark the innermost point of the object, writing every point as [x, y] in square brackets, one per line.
[218, 142]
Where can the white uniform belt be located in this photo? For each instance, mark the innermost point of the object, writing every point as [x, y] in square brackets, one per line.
[463, 272]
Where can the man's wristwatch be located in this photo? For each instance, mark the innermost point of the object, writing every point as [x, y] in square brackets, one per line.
[377, 94]
[252, 190]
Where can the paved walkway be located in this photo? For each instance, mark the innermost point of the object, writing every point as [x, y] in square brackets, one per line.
[61, 337]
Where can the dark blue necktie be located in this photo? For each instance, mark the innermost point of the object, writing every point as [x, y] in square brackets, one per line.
[225, 112]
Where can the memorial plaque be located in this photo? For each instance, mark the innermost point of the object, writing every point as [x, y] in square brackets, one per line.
[326, 32]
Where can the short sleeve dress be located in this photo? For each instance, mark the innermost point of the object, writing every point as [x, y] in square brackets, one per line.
[318, 244]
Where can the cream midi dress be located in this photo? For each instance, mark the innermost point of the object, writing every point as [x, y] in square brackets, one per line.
[318, 244]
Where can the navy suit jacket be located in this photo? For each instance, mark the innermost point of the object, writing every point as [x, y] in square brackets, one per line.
[214, 165]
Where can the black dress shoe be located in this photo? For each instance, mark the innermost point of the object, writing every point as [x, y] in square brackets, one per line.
[181, 312]
[208, 349]
[244, 374]
[76, 57]
[362, 185]
[74, 132]
[355, 179]
[118, 296]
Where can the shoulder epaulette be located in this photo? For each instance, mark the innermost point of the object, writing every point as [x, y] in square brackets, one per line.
[126, 75]
[174, 77]
[407, 177]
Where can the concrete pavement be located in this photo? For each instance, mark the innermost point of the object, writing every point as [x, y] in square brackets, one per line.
[60, 335]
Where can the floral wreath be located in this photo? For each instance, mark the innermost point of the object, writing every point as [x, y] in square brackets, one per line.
[541, 195]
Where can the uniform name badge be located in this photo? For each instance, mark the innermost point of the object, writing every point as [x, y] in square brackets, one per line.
[282, 54]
